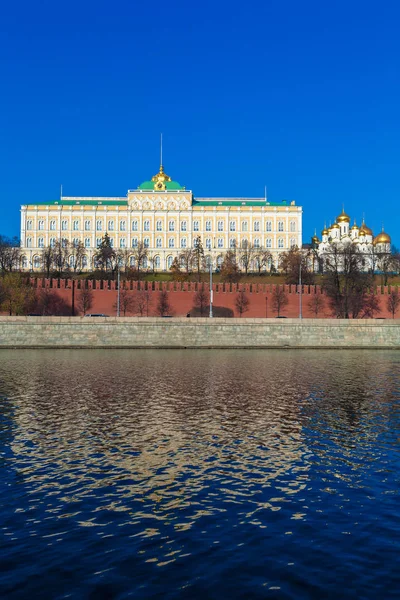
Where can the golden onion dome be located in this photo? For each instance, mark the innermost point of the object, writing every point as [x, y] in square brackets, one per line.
[355, 227]
[366, 229]
[335, 226]
[315, 239]
[382, 238]
[343, 217]
[324, 231]
[362, 233]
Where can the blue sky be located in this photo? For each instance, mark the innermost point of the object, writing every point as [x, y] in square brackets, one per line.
[300, 96]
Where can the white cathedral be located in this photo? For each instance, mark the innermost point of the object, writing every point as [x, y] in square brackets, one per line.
[373, 248]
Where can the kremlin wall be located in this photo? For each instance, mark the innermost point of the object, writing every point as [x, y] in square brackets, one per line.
[181, 298]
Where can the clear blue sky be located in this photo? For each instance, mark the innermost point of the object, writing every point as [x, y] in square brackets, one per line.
[300, 96]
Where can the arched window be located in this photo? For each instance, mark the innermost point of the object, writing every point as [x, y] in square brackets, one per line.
[111, 242]
[87, 242]
[292, 226]
[146, 242]
[171, 226]
[134, 225]
[220, 242]
[208, 243]
[232, 226]
[84, 262]
[171, 243]
[36, 262]
[169, 261]
[220, 260]
[41, 242]
[71, 261]
[232, 243]
[183, 225]
[256, 243]
[52, 242]
[195, 226]
[132, 261]
[134, 242]
[269, 243]
[24, 262]
[183, 243]
[111, 225]
[76, 225]
[29, 225]
[122, 243]
[208, 225]
[98, 242]
[99, 225]
[220, 225]
[157, 262]
[41, 225]
[64, 225]
[122, 226]
[158, 242]
[146, 225]
[145, 262]
[75, 242]
[256, 225]
[29, 242]
[244, 225]
[280, 243]
[87, 225]
[64, 242]
[268, 226]
[292, 243]
[52, 225]
[159, 225]
[280, 226]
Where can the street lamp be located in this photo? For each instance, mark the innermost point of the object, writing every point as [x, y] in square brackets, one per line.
[301, 291]
[211, 290]
[118, 294]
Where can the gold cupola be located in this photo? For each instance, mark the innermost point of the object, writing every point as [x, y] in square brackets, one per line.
[343, 217]
[335, 226]
[382, 238]
[365, 229]
[355, 227]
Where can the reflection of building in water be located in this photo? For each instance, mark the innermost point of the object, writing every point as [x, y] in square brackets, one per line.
[195, 429]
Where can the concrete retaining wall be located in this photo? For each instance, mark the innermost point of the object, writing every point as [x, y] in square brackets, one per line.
[136, 332]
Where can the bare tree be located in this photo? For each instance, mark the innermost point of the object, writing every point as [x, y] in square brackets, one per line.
[47, 260]
[371, 306]
[346, 282]
[393, 302]
[9, 254]
[246, 254]
[279, 299]
[261, 259]
[127, 301]
[140, 254]
[77, 252]
[85, 300]
[316, 304]
[50, 303]
[290, 264]
[163, 304]
[186, 258]
[60, 256]
[230, 271]
[202, 299]
[143, 302]
[242, 302]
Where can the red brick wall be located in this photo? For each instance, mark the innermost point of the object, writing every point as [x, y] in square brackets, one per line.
[181, 296]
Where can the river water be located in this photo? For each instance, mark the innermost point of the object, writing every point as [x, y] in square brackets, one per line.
[199, 474]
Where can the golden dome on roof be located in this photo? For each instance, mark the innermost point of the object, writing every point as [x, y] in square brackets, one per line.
[362, 233]
[324, 231]
[355, 226]
[382, 238]
[343, 217]
[366, 229]
[335, 226]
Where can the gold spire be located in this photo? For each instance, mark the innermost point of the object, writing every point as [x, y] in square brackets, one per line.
[160, 179]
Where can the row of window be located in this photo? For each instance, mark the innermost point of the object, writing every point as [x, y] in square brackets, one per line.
[159, 242]
[159, 225]
[156, 260]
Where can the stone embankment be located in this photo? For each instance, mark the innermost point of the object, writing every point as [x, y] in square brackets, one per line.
[157, 332]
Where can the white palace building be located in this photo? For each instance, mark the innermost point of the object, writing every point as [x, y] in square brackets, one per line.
[166, 217]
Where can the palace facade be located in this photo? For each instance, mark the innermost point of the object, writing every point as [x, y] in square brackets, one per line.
[166, 217]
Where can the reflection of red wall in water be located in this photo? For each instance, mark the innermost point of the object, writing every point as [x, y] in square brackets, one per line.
[181, 297]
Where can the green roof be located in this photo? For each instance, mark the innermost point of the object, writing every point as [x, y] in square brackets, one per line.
[170, 185]
[217, 202]
[83, 202]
